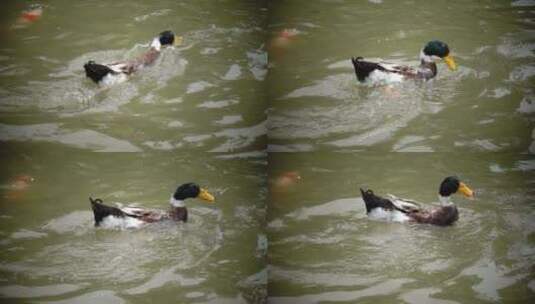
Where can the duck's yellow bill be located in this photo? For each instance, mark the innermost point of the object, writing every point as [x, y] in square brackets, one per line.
[178, 40]
[465, 190]
[450, 62]
[204, 195]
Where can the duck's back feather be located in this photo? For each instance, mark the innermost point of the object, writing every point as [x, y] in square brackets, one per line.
[441, 215]
[373, 201]
[96, 71]
[366, 70]
[363, 69]
[101, 211]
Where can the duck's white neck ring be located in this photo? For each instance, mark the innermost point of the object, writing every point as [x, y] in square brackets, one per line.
[444, 200]
[176, 203]
[425, 58]
[156, 44]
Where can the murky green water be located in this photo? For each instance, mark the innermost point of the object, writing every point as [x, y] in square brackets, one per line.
[486, 105]
[214, 93]
[323, 248]
[204, 95]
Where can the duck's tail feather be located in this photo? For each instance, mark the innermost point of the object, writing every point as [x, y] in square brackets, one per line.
[97, 71]
[100, 211]
[373, 201]
[364, 68]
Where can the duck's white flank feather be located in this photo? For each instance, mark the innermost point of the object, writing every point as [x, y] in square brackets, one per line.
[391, 216]
[121, 222]
[111, 79]
[378, 76]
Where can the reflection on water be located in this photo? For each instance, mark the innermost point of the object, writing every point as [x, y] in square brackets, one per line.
[85, 139]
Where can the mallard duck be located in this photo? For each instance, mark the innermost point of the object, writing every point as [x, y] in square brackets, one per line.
[117, 72]
[136, 216]
[405, 210]
[432, 51]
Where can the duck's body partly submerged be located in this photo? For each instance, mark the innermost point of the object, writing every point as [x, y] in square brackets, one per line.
[382, 72]
[396, 209]
[377, 72]
[109, 74]
[109, 216]
[129, 217]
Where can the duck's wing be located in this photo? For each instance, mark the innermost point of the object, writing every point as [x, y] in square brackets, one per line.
[441, 215]
[145, 215]
[363, 69]
[100, 211]
[403, 70]
[405, 205]
[97, 72]
[125, 67]
[134, 211]
[373, 201]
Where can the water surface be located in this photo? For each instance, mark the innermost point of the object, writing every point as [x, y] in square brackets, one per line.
[324, 249]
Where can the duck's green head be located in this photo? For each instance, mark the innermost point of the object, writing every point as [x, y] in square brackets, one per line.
[192, 190]
[437, 49]
[451, 185]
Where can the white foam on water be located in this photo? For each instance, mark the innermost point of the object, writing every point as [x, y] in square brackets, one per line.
[99, 296]
[175, 124]
[334, 86]
[316, 277]
[77, 222]
[209, 51]
[495, 168]
[163, 145]
[210, 104]
[233, 73]
[52, 132]
[424, 295]
[229, 120]
[522, 73]
[27, 234]
[198, 86]
[527, 105]
[156, 13]
[525, 165]
[257, 62]
[238, 138]
[343, 206]
[20, 291]
[521, 3]
[386, 287]
[499, 93]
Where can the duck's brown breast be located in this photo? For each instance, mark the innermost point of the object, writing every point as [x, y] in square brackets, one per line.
[179, 214]
[441, 216]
